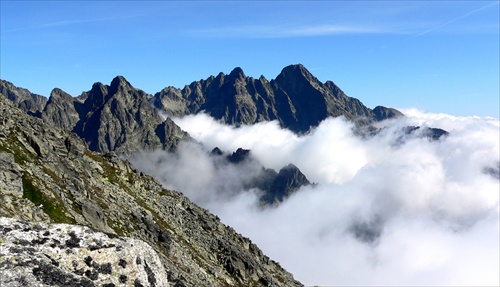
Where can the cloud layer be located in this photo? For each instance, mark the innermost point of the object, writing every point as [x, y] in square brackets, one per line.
[393, 209]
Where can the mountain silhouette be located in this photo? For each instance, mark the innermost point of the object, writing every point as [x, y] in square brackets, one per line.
[296, 99]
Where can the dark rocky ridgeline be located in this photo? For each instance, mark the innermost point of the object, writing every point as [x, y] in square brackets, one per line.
[276, 186]
[288, 181]
[121, 118]
[296, 98]
[408, 132]
[115, 117]
[426, 132]
[22, 98]
[48, 175]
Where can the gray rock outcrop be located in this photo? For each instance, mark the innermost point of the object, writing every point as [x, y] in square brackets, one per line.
[60, 110]
[288, 180]
[41, 254]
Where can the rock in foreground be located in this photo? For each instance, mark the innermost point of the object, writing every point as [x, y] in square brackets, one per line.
[40, 254]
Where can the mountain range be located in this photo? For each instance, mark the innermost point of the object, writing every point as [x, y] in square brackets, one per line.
[61, 161]
[123, 119]
[296, 99]
[117, 117]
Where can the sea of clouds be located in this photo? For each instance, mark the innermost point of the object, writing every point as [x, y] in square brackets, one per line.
[388, 209]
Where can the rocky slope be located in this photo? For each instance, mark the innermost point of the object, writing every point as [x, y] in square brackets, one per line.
[296, 98]
[40, 254]
[48, 175]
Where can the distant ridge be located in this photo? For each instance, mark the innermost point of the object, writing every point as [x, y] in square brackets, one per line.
[115, 117]
[296, 99]
[121, 118]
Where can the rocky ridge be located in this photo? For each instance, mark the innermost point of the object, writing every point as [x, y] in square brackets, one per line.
[22, 98]
[276, 186]
[119, 118]
[48, 175]
[297, 99]
[115, 117]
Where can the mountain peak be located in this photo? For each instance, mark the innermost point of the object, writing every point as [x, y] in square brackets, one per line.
[237, 73]
[119, 81]
[57, 93]
[294, 73]
[295, 68]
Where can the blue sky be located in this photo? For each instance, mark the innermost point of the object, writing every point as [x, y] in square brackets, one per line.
[435, 56]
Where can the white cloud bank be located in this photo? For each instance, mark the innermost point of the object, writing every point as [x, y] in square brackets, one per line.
[387, 210]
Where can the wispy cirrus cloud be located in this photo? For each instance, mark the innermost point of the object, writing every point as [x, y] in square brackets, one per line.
[277, 31]
[463, 16]
[74, 22]
[68, 23]
[378, 17]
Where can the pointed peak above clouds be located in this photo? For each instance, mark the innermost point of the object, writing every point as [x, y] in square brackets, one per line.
[296, 99]
[119, 82]
[295, 69]
[237, 73]
[293, 73]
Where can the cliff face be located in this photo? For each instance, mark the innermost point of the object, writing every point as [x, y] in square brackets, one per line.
[48, 175]
[296, 98]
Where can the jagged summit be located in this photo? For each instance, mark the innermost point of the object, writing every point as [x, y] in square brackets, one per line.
[295, 72]
[115, 117]
[120, 117]
[119, 82]
[276, 187]
[296, 98]
[22, 98]
[237, 73]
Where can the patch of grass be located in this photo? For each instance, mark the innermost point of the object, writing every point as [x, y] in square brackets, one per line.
[164, 192]
[13, 146]
[54, 209]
